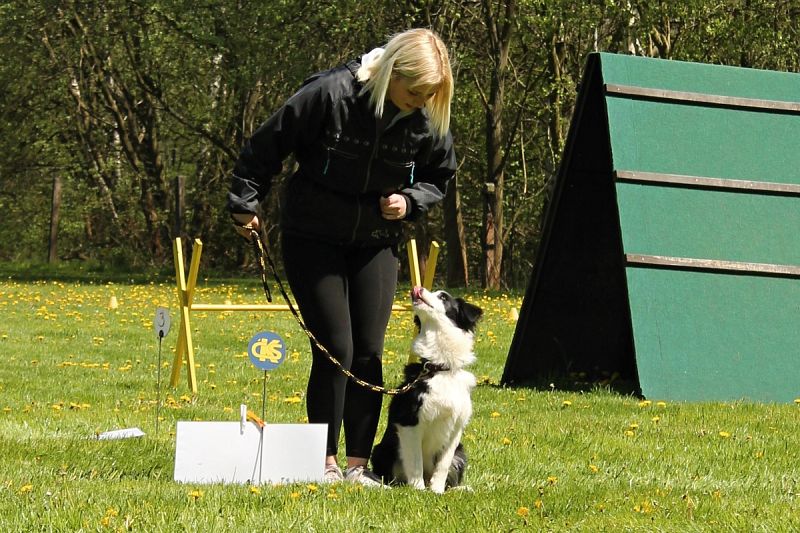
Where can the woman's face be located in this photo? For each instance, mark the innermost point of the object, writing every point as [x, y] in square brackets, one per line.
[407, 98]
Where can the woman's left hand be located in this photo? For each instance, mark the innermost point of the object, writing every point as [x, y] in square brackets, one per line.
[393, 207]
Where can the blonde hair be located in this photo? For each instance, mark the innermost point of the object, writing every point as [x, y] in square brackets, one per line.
[420, 56]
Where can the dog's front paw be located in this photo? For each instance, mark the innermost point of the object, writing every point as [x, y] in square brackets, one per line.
[417, 483]
[438, 481]
[437, 488]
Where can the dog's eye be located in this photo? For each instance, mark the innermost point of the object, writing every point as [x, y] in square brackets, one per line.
[443, 297]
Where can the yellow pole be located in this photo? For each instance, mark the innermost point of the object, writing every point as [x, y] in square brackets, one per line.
[430, 265]
[260, 307]
[177, 256]
[413, 262]
[185, 295]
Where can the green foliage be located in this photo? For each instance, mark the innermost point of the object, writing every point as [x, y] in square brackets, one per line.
[540, 459]
[121, 98]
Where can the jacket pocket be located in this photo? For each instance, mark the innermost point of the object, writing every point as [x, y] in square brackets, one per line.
[397, 173]
[336, 155]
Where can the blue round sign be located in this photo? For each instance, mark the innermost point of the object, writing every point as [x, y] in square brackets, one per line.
[266, 350]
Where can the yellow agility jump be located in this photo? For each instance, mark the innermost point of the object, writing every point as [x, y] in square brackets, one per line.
[186, 285]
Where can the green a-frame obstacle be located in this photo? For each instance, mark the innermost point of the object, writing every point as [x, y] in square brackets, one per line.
[671, 247]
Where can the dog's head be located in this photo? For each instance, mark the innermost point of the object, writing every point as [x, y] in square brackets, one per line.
[446, 327]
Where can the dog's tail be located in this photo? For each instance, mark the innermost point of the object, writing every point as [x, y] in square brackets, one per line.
[455, 475]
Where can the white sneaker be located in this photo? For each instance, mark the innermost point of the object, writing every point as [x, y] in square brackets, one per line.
[333, 474]
[363, 476]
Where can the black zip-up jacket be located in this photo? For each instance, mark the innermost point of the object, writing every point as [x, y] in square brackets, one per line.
[345, 163]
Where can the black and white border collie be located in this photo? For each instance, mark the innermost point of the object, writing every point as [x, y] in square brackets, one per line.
[422, 443]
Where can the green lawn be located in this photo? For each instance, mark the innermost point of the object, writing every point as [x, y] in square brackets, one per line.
[540, 460]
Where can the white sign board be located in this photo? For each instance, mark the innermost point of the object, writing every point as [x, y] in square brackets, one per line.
[229, 452]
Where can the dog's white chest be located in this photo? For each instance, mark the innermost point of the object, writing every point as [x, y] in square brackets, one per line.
[448, 397]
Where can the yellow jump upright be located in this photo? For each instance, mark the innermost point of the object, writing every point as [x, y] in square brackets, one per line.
[186, 284]
[185, 294]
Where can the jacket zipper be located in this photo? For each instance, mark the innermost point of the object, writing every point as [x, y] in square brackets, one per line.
[366, 181]
[410, 166]
[329, 150]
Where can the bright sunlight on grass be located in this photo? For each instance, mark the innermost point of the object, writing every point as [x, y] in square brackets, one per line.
[540, 460]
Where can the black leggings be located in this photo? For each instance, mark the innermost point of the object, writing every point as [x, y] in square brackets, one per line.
[345, 295]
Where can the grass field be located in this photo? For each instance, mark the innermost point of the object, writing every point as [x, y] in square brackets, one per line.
[540, 460]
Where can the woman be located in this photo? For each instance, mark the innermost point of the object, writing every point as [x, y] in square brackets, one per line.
[373, 148]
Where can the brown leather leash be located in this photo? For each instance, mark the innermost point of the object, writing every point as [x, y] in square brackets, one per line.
[265, 259]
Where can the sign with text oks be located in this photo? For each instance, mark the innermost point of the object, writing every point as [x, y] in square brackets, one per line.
[266, 350]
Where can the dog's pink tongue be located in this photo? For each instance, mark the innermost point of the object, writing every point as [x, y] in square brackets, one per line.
[416, 293]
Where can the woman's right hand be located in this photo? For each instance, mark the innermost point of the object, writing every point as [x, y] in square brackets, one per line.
[246, 219]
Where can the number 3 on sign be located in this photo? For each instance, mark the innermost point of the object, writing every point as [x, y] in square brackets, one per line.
[266, 350]
[161, 322]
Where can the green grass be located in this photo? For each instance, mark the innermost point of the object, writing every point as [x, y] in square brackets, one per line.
[540, 460]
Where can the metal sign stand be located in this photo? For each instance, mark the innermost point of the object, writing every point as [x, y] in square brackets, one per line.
[161, 323]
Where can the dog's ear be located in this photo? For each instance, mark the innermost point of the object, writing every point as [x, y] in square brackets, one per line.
[468, 314]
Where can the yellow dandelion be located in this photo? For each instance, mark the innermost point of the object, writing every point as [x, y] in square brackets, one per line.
[495, 414]
[538, 504]
[724, 434]
[6, 409]
[196, 494]
[292, 399]
[645, 403]
[295, 495]
[759, 454]
[255, 490]
[594, 469]
[25, 489]
[661, 404]
[566, 403]
[629, 433]
[656, 419]
[552, 480]
[633, 426]
[644, 508]
[506, 441]
[312, 487]
[523, 512]
[797, 401]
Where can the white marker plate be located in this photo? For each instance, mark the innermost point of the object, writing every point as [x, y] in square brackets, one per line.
[219, 452]
[161, 322]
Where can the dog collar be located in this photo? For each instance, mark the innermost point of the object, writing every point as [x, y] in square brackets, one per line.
[430, 368]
